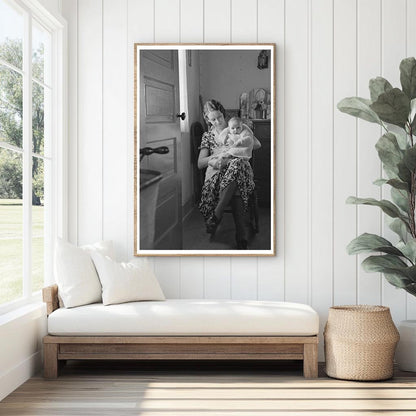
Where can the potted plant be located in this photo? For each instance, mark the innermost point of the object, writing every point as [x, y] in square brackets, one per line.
[394, 109]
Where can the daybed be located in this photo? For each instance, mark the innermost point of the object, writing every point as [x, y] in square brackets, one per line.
[180, 329]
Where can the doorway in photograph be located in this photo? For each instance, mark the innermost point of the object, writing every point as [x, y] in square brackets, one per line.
[204, 187]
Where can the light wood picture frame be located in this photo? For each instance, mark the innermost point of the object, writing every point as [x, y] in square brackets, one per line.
[183, 155]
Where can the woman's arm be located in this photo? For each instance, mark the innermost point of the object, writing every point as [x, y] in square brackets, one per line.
[203, 158]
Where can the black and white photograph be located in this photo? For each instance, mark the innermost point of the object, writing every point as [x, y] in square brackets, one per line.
[204, 149]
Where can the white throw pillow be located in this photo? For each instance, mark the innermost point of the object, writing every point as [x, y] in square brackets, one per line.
[126, 282]
[75, 273]
[103, 247]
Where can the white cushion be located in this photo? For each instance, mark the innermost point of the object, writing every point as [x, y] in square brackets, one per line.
[178, 317]
[126, 282]
[75, 273]
[103, 247]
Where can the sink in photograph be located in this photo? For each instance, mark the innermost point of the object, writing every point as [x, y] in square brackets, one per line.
[149, 177]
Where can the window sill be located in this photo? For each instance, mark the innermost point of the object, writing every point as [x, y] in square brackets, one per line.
[36, 308]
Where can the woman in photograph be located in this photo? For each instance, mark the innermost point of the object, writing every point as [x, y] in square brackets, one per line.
[231, 183]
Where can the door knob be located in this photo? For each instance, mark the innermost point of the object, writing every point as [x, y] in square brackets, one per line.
[181, 116]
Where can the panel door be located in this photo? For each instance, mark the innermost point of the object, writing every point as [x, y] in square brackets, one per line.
[159, 126]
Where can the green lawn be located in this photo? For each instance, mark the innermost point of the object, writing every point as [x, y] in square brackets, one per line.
[11, 249]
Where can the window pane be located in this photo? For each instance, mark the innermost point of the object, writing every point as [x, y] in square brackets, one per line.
[38, 230]
[38, 118]
[41, 46]
[11, 226]
[11, 106]
[11, 34]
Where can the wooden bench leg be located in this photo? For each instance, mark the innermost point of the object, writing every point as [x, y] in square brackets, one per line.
[310, 360]
[50, 360]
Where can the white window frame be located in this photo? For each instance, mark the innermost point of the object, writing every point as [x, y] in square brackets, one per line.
[58, 211]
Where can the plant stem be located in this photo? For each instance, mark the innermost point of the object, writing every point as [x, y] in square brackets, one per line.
[412, 195]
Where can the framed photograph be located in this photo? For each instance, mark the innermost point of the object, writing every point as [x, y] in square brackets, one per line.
[204, 131]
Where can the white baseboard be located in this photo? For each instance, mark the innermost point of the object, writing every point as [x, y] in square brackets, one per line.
[10, 380]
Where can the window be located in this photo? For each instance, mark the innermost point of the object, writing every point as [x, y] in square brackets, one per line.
[30, 148]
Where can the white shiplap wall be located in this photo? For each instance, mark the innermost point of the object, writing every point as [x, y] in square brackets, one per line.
[326, 50]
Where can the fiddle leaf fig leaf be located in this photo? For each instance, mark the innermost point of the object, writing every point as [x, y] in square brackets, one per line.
[380, 182]
[400, 198]
[412, 116]
[378, 86]
[389, 151]
[397, 280]
[391, 174]
[398, 184]
[395, 183]
[388, 207]
[400, 228]
[402, 139]
[381, 263]
[408, 249]
[410, 272]
[366, 243]
[404, 173]
[412, 109]
[359, 107]
[408, 77]
[396, 271]
[392, 107]
[410, 158]
[411, 289]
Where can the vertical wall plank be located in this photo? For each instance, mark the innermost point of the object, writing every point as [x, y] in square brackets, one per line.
[271, 29]
[243, 21]
[167, 14]
[115, 52]
[217, 278]
[90, 184]
[167, 29]
[244, 278]
[411, 28]
[411, 51]
[345, 151]
[167, 273]
[296, 152]
[217, 28]
[393, 51]
[243, 270]
[192, 278]
[369, 167]
[70, 11]
[321, 169]
[191, 31]
[192, 21]
[217, 19]
[140, 20]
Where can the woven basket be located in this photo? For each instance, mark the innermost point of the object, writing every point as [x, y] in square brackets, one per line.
[360, 341]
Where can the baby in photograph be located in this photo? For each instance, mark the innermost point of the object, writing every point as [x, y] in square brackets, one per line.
[235, 141]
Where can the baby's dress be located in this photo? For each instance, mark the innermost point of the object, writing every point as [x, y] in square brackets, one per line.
[238, 145]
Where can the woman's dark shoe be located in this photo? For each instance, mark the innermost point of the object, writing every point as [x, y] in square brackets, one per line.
[242, 243]
[212, 224]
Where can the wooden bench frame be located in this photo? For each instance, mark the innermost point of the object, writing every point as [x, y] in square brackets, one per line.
[58, 349]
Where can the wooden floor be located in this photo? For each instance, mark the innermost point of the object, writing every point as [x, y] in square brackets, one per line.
[222, 389]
